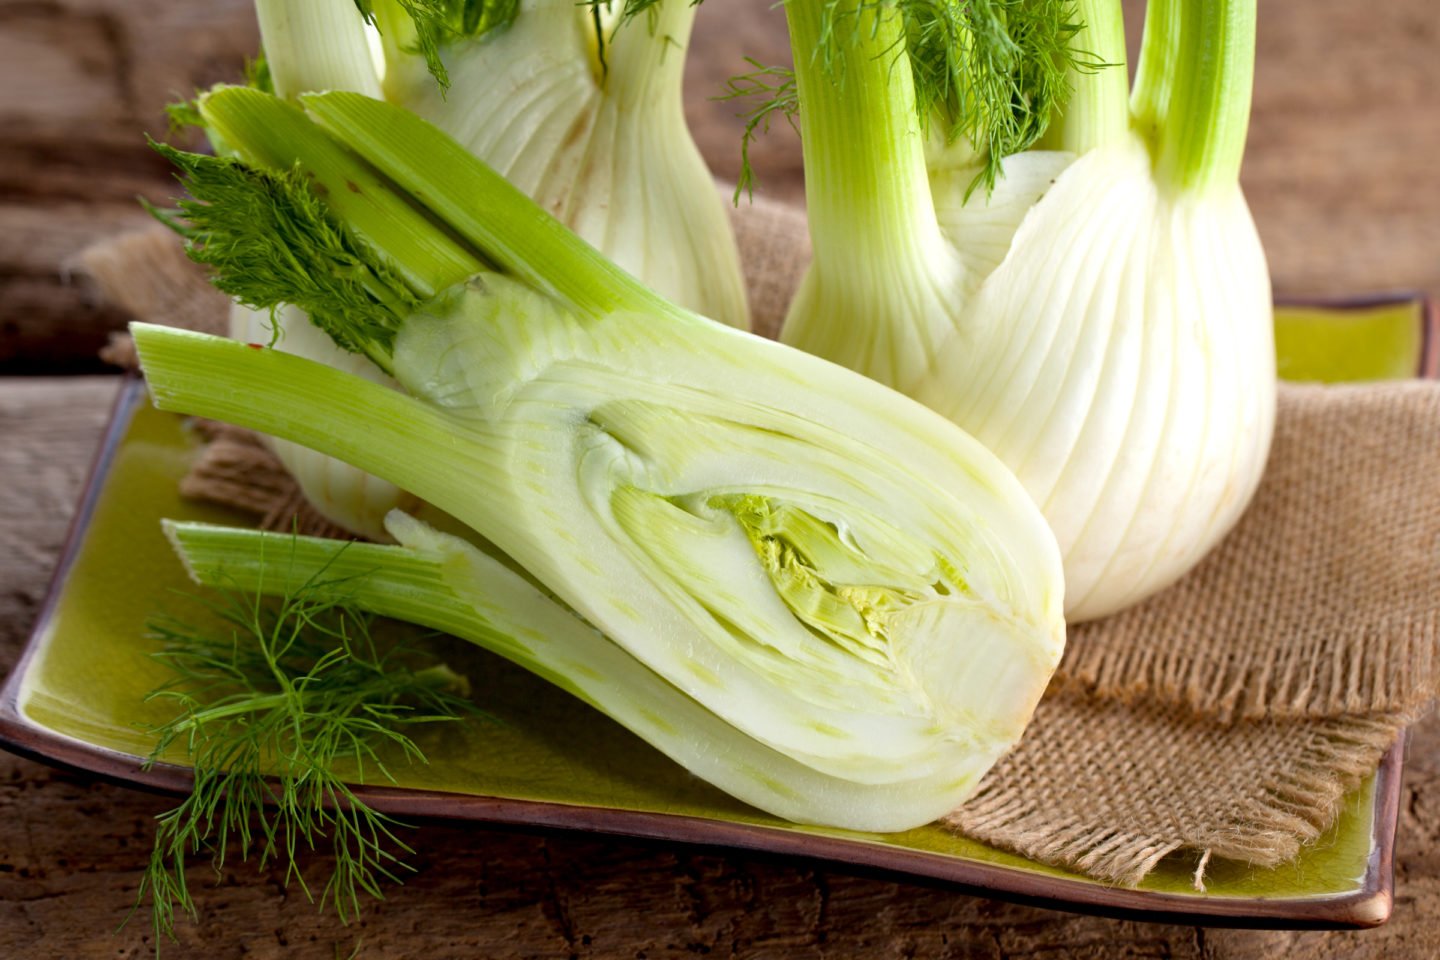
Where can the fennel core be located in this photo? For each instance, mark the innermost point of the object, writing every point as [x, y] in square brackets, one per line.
[841, 608]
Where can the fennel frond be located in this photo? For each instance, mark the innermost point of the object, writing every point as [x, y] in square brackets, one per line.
[278, 711]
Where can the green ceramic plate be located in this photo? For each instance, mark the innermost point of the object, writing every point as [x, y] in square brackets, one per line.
[1381, 338]
[547, 760]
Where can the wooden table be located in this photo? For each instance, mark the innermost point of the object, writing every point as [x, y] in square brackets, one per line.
[1340, 177]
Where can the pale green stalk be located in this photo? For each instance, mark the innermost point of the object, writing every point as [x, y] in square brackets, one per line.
[1098, 112]
[1155, 71]
[402, 584]
[377, 429]
[867, 190]
[509, 228]
[1202, 135]
[276, 139]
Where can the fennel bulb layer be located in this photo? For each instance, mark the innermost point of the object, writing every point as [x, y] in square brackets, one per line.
[603, 148]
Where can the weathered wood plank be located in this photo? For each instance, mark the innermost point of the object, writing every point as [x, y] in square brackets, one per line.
[81, 81]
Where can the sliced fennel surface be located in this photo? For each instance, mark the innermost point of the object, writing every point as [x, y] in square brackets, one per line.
[1101, 319]
[584, 115]
[834, 572]
[929, 669]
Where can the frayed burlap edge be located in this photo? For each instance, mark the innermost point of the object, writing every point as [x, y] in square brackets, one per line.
[1111, 789]
[146, 273]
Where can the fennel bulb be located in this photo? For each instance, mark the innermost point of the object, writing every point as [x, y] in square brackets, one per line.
[582, 113]
[582, 109]
[810, 590]
[1101, 320]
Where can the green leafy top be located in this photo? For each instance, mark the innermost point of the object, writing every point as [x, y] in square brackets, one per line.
[991, 71]
[777, 94]
[268, 709]
[270, 240]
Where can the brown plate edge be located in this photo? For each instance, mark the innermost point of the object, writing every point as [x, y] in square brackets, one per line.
[1367, 907]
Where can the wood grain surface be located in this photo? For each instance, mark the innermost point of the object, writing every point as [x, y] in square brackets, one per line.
[1340, 178]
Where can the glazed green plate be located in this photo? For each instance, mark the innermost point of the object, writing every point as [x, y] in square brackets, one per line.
[545, 760]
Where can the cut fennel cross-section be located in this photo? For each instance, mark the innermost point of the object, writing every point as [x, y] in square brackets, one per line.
[859, 597]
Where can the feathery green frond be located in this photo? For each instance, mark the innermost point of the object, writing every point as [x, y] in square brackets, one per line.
[775, 89]
[247, 225]
[992, 71]
[268, 710]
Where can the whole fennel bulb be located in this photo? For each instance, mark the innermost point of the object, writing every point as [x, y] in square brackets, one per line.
[1101, 320]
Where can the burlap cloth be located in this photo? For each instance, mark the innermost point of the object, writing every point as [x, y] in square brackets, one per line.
[1225, 717]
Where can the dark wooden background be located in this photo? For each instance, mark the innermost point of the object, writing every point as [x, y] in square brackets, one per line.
[1340, 175]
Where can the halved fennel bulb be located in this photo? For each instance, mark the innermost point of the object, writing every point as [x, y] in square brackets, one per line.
[812, 591]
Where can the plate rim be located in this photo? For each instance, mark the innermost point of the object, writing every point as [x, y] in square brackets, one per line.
[1428, 366]
[1369, 906]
